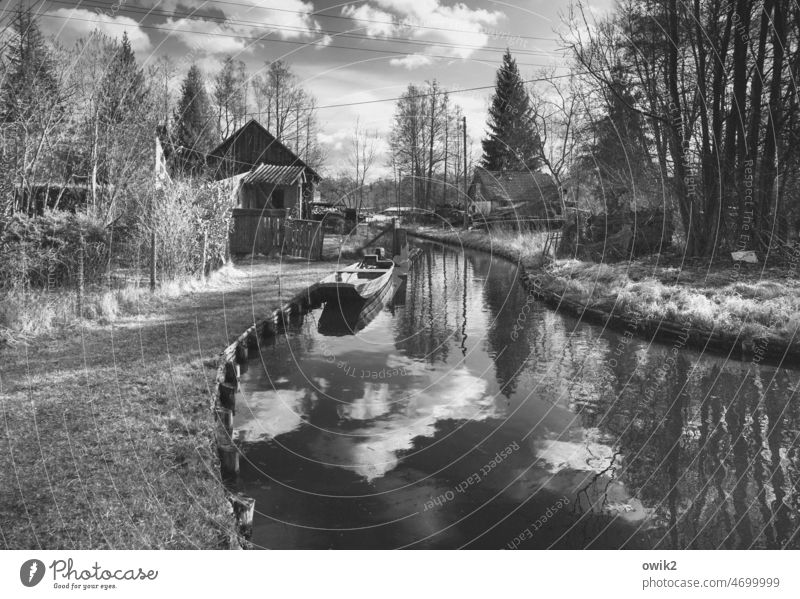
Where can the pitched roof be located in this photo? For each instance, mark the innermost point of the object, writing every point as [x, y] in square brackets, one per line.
[274, 174]
[222, 149]
[515, 186]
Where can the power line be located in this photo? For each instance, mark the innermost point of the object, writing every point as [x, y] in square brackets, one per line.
[439, 93]
[319, 13]
[258, 25]
[318, 43]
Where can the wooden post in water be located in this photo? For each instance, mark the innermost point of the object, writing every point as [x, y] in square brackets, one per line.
[395, 239]
[225, 418]
[241, 356]
[229, 459]
[243, 510]
[227, 396]
[232, 373]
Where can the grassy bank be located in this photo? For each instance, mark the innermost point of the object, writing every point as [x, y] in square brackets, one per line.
[107, 438]
[740, 302]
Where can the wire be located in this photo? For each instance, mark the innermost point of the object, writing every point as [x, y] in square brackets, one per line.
[333, 33]
[319, 13]
[320, 43]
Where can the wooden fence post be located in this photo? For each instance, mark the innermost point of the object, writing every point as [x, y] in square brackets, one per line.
[153, 256]
[79, 289]
[203, 259]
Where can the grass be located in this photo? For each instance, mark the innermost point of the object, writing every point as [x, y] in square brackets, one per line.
[756, 301]
[526, 247]
[107, 437]
[756, 306]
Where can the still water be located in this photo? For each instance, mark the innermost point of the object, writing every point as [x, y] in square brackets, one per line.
[438, 424]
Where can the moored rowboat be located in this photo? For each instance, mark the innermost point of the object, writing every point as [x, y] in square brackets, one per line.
[359, 281]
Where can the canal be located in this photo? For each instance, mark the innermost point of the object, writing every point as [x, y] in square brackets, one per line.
[464, 414]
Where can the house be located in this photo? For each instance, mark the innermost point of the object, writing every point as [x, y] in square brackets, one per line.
[265, 173]
[522, 194]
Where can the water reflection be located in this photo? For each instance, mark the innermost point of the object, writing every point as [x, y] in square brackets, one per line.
[371, 440]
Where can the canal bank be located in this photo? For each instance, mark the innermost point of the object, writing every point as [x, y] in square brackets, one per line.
[108, 440]
[736, 310]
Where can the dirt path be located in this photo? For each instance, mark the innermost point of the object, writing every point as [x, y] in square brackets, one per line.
[105, 431]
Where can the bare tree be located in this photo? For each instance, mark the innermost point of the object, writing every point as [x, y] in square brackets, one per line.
[556, 111]
[363, 150]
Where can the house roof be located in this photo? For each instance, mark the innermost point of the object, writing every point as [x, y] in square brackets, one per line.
[514, 186]
[223, 149]
[274, 174]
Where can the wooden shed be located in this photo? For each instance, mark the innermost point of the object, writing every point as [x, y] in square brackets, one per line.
[515, 194]
[270, 176]
[271, 189]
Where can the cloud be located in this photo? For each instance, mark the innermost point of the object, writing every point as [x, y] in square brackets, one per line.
[452, 30]
[68, 25]
[411, 61]
[245, 23]
[374, 22]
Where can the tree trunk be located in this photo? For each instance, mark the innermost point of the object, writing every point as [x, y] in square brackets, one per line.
[676, 127]
[430, 152]
[774, 121]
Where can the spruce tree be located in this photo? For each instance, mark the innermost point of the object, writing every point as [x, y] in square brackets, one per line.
[195, 130]
[123, 88]
[29, 86]
[512, 143]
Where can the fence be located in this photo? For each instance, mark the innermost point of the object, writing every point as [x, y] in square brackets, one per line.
[262, 231]
[256, 231]
[303, 238]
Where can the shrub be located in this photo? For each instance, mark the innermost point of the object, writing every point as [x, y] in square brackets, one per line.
[186, 213]
[42, 252]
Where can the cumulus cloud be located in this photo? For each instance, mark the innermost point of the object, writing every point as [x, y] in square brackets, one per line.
[68, 25]
[245, 23]
[452, 30]
[373, 21]
[411, 61]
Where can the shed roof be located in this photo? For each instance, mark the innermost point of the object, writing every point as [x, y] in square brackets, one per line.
[251, 145]
[274, 174]
[515, 186]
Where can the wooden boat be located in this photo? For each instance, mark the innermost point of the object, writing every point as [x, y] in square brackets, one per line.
[358, 282]
[348, 318]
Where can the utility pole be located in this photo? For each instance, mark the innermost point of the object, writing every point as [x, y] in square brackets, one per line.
[466, 199]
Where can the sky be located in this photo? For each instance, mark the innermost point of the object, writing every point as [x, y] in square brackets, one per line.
[343, 52]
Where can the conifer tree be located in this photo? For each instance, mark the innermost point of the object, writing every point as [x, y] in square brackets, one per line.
[123, 88]
[31, 109]
[195, 123]
[512, 143]
[29, 81]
